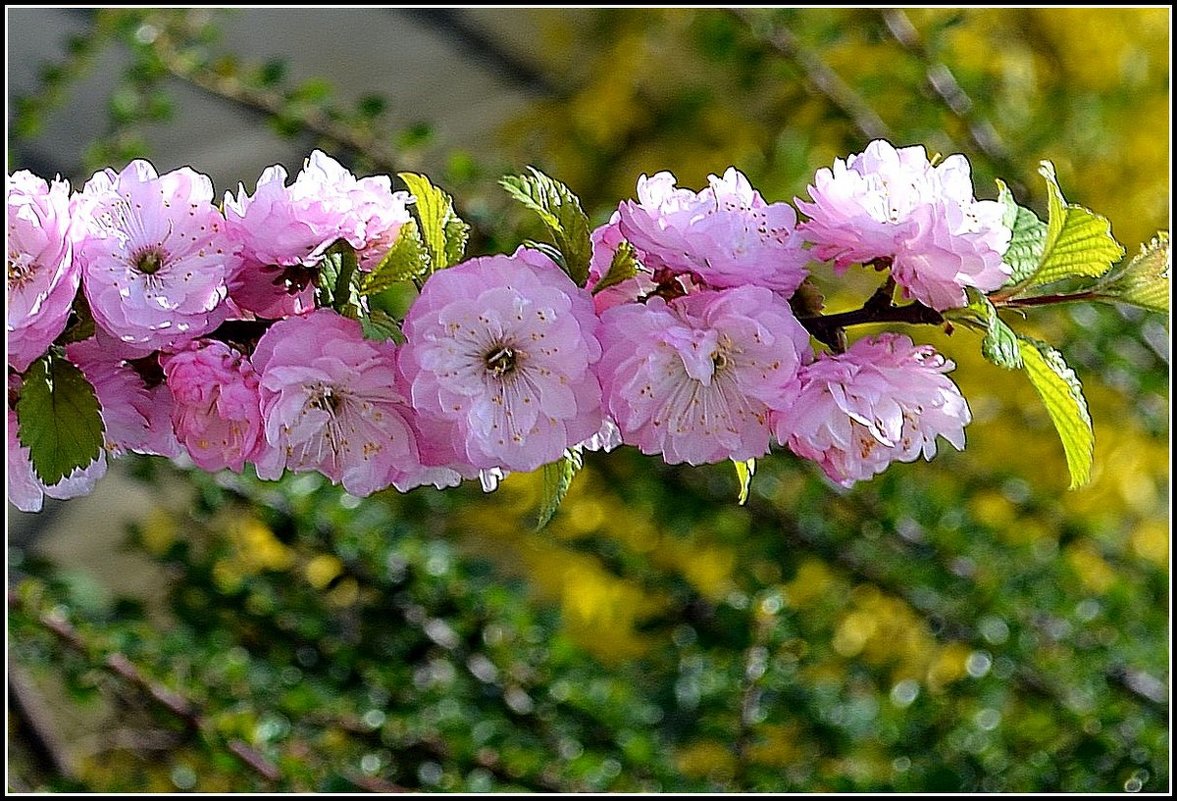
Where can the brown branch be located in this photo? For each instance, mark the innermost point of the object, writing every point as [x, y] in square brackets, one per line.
[30, 722]
[373, 784]
[1042, 300]
[828, 328]
[173, 702]
[820, 77]
[275, 104]
[254, 760]
[941, 81]
[164, 698]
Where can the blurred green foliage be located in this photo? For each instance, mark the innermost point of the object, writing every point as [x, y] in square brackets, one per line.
[961, 625]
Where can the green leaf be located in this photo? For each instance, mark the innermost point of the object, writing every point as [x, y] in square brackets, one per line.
[623, 267]
[548, 249]
[1144, 281]
[442, 230]
[557, 478]
[338, 285]
[1079, 242]
[272, 72]
[59, 418]
[744, 472]
[314, 90]
[561, 213]
[1000, 343]
[457, 234]
[1027, 240]
[1062, 395]
[379, 325]
[406, 260]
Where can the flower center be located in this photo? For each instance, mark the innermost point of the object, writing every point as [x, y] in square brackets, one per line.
[294, 278]
[326, 399]
[21, 269]
[149, 261]
[500, 360]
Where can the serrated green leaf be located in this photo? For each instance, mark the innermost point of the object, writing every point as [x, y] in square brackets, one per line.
[1027, 239]
[526, 191]
[457, 234]
[744, 472]
[379, 325]
[1079, 242]
[1144, 281]
[560, 211]
[1062, 394]
[623, 267]
[438, 221]
[59, 417]
[557, 478]
[999, 344]
[406, 260]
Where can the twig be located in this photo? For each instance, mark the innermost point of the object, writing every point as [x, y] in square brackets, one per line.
[818, 74]
[1043, 300]
[274, 104]
[168, 700]
[825, 327]
[941, 80]
[42, 743]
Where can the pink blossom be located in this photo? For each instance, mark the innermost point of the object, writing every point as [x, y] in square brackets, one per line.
[443, 463]
[607, 438]
[697, 378]
[136, 403]
[893, 204]
[43, 276]
[216, 409]
[500, 352]
[285, 231]
[329, 403]
[25, 490]
[726, 234]
[154, 255]
[883, 400]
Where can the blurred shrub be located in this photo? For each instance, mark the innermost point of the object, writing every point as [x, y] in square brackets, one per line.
[964, 625]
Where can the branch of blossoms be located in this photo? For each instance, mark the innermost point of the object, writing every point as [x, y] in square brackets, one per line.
[247, 333]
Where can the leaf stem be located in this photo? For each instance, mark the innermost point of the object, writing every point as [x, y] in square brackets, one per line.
[1043, 300]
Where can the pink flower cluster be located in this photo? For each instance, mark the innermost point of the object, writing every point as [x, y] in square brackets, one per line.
[507, 363]
[895, 205]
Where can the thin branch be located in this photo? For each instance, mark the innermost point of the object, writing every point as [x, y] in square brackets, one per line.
[941, 81]
[32, 726]
[825, 328]
[820, 77]
[273, 104]
[168, 700]
[1043, 300]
